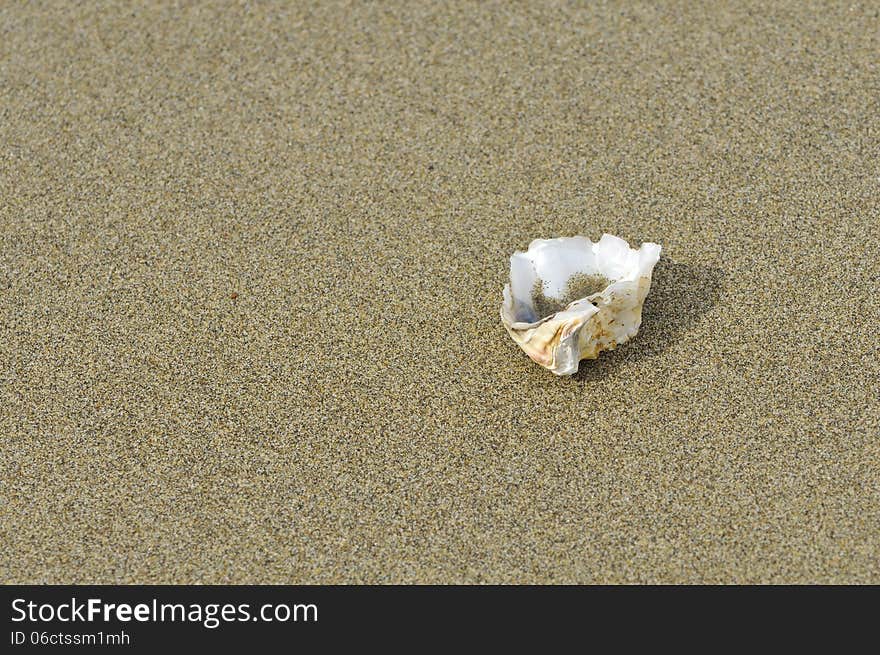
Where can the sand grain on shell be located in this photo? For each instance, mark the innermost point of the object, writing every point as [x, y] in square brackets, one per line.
[359, 175]
[579, 286]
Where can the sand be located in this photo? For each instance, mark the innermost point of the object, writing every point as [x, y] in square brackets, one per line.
[251, 263]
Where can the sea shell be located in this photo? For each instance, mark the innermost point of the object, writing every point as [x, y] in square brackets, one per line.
[569, 298]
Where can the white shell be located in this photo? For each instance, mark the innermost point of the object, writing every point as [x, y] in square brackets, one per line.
[582, 327]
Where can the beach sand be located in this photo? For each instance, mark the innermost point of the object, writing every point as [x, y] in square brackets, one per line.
[251, 263]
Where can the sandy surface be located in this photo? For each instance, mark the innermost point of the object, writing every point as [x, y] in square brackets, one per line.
[251, 263]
